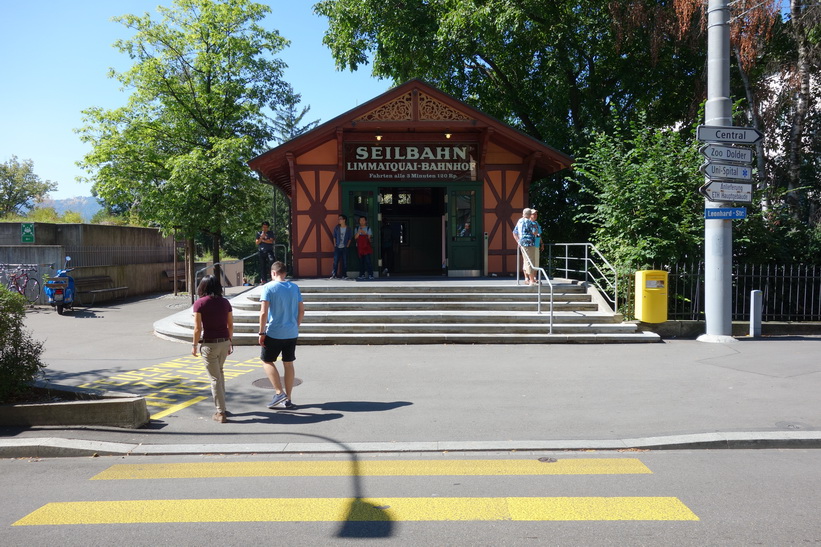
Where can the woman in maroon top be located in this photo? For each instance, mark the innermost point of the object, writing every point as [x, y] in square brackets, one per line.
[213, 333]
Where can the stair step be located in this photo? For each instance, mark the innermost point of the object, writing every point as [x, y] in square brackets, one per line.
[557, 337]
[433, 312]
[250, 321]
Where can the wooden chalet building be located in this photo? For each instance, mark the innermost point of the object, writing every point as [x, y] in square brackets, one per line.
[448, 181]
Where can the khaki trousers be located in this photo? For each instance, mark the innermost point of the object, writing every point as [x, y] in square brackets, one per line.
[215, 356]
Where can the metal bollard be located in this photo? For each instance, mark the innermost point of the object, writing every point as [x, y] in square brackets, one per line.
[756, 308]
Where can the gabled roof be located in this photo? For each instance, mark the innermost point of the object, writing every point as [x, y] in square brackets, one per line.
[413, 107]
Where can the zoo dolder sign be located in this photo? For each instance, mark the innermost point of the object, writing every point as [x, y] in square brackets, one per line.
[450, 162]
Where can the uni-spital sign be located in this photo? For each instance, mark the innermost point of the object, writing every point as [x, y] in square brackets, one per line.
[410, 162]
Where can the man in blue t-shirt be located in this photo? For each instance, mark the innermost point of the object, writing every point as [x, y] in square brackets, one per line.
[279, 319]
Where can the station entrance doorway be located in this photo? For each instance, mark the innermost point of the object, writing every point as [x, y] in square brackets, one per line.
[419, 229]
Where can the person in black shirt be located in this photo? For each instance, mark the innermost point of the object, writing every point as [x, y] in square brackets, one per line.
[265, 246]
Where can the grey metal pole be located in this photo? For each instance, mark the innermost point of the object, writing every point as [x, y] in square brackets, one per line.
[756, 309]
[718, 233]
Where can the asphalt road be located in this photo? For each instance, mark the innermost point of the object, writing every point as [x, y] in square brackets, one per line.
[706, 497]
[503, 396]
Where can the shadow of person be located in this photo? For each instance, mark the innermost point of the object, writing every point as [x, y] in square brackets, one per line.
[357, 406]
[281, 418]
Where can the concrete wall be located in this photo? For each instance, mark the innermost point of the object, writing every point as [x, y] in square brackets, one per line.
[122, 249]
[139, 278]
[78, 235]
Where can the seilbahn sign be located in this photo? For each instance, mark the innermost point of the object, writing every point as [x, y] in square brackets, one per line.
[417, 161]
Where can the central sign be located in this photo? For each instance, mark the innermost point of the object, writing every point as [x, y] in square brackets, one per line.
[408, 162]
[728, 134]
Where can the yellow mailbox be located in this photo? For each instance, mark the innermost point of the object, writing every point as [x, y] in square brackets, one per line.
[651, 296]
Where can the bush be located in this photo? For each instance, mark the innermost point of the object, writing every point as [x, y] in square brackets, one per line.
[19, 353]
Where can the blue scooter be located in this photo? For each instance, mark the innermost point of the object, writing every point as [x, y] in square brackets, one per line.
[60, 289]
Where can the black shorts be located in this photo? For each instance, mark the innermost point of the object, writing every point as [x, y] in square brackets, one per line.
[274, 346]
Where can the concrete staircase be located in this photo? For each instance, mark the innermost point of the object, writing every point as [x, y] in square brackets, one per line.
[433, 311]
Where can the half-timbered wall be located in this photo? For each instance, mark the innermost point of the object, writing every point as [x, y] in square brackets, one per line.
[316, 175]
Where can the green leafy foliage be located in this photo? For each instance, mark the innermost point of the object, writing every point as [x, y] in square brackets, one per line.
[19, 354]
[203, 80]
[645, 209]
[555, 69]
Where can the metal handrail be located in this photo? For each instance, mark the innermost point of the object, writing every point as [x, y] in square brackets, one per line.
[201, 270]
[542, 274]
[595, 269]
[255, 253]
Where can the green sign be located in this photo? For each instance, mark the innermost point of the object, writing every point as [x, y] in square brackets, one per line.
[27, 232]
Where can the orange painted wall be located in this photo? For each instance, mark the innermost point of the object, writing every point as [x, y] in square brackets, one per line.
[315, 205]
[324, 154]
[498, 155]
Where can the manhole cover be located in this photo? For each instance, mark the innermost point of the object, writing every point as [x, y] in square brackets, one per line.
[265, 383]
[178, 306]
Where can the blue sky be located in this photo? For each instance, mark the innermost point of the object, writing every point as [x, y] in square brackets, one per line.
[56, 56]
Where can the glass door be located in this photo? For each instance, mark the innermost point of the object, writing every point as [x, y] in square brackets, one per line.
[464, 245]
[361, 203]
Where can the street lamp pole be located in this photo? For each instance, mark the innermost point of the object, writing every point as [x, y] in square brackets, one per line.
[718, 233]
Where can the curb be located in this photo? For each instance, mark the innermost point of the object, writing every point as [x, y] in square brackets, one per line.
[54, 447]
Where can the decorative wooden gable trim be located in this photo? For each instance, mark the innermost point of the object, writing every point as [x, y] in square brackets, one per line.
[398, 110]
[414, 106]
[432, 110]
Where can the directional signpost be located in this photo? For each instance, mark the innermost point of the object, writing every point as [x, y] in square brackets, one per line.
[717, 190]
[726, 171]
[727, 168]
[728, 134]
[718, 152]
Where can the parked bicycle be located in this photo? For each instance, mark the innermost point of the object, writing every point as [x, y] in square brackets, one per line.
[20, 281]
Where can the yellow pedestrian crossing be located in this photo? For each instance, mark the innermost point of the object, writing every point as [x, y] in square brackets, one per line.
[347, 509]
[332, 509]
[587, 466]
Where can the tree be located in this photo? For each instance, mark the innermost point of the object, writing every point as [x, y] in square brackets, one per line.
[555, 69]
[20, 187]
[288, 120]
[203, 79]
[646, 210]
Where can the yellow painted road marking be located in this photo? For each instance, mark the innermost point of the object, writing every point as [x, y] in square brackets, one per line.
[173, 382]
[347, 509]
[585, 466]
[175, 408]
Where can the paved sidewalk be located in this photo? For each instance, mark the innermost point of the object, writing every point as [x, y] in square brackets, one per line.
[679, 393]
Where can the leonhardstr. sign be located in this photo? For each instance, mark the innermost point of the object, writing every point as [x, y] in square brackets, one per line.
[410, 162]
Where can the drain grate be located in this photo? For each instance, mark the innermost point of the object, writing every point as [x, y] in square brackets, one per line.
[265, 383]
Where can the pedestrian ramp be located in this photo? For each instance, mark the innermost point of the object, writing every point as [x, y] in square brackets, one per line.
[435, 311]
[352, 497]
